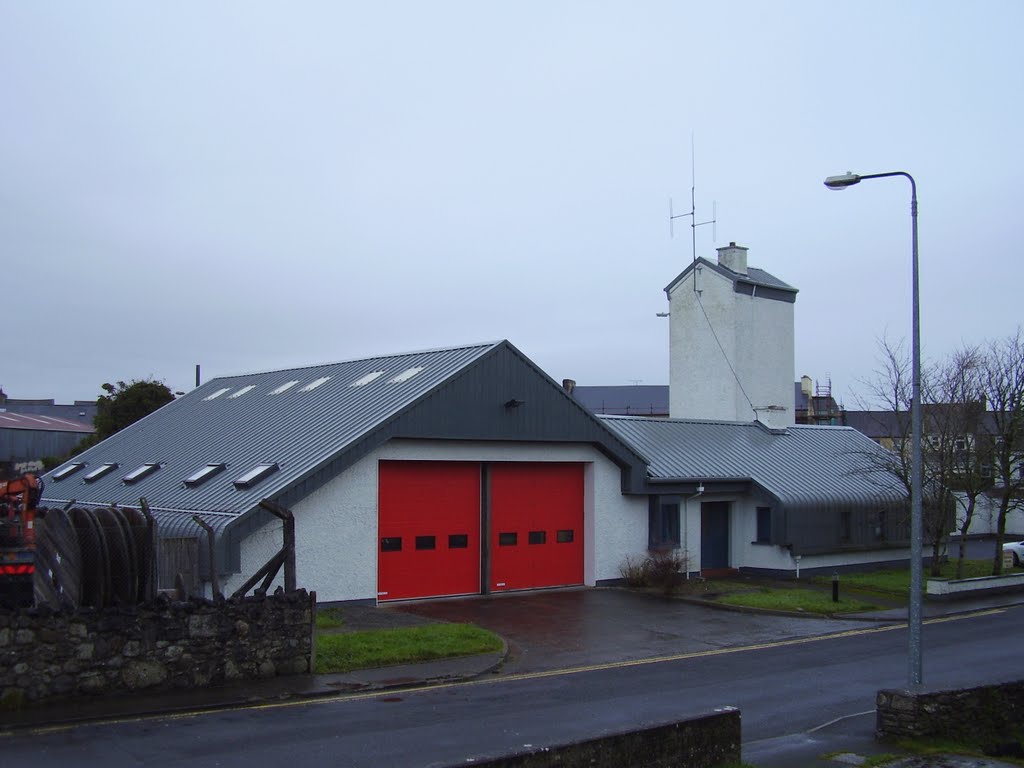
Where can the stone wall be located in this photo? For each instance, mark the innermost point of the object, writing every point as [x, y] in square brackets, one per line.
[164, 645]
[982, 715]
[706, 741]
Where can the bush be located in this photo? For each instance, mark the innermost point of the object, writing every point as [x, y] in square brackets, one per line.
[661, 570]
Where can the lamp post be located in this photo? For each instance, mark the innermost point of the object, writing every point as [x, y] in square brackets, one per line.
[842, 182]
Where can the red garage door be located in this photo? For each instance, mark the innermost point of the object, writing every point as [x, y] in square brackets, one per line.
[429, 529]
[536, 525]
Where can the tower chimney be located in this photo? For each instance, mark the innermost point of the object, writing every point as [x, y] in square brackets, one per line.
[733, 257]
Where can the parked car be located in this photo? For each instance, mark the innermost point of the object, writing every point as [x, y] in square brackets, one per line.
[1017, 548]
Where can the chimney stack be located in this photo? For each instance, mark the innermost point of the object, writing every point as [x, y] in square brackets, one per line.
[733, 257]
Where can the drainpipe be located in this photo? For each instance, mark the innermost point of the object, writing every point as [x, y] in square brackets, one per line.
[686, 525]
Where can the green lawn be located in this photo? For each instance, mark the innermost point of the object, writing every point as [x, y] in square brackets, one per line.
[329, 618]
[897, 581]
[797, 599]
[343, 652]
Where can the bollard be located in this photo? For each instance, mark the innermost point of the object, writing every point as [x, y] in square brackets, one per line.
[835, 587]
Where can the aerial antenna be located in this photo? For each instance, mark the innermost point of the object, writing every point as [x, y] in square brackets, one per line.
[692, 213]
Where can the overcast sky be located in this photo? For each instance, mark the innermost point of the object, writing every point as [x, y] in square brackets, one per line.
[252, 185]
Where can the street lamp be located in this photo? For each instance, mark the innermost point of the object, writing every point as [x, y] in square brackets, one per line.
[842, 182]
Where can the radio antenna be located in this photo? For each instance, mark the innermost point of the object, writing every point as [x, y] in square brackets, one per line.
[692, 213]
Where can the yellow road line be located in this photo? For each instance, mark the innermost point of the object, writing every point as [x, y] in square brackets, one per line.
[510, 678]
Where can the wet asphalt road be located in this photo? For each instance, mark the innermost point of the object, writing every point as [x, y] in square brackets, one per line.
[574, 628]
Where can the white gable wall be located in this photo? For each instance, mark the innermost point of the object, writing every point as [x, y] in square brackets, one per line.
[336, 526]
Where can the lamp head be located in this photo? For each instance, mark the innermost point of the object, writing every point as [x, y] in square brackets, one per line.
[843, 181]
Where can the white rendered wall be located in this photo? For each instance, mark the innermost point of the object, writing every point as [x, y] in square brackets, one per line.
[985, 520]
[336, 526]
[756, 335]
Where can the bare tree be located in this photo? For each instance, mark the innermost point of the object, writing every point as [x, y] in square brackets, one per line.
[1002, 380]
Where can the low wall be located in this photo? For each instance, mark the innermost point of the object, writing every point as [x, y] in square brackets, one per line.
[705, 741]
[164, 645]
[984, 714]
[952, 589]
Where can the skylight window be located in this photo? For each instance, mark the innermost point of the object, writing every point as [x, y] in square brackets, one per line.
[204, 474]
[137, 474]
[284, 387]
[405, 375]
[100, 471]
[70, 469]
[242, 391]
[362, 382]
[254, 475]
[315, 383]
[217, 394]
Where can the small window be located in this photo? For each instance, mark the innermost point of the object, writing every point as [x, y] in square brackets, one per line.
[458, 541]
[844, 525]
[217, 394]
[254, 475]
[879, 527]
[242, 391]
[426, 542]
[764, 525]
[663, 522]
[538, 537]
[507, 539]
[137, 474]
[315, 383]
[364, 380]
[100, 471]
[564, 537]
[405, 375]
[284, 387]
[391, 544]
[70, 469]
[203, 474]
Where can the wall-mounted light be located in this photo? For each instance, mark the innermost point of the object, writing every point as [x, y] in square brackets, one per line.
[514, 403]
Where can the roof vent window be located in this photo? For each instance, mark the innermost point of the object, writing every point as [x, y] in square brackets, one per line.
[254, 475]
[284, 387]
[242, 391]
[70, 469]
[204, 474]
[405, 375]
[137, 474]
[315, 383]
[362, 382]
[100, 471]
[217, 394]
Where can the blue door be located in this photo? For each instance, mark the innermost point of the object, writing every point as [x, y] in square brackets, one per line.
[714, 535]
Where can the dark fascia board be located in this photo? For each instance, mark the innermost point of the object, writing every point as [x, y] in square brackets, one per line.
[688, 485]
[741, 283]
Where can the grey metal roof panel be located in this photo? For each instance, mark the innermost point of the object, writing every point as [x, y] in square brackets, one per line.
[297, 430]
[801, 466]
[625, 400]
[42, 423]
[754, 276]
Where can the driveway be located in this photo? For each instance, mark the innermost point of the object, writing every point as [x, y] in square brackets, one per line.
[562, 629]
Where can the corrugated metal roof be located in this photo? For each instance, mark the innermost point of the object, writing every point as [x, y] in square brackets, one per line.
[239, 421]
[624, 400]
[801, 466]
[41, 423]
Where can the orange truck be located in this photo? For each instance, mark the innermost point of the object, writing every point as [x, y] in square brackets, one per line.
[18, 501]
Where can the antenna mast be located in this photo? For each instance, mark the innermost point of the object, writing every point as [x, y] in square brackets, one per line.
[672, 215]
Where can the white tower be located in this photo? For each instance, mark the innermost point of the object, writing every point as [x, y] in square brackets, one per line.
[731, 342]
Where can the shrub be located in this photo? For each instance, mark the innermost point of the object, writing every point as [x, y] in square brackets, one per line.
[661, 570]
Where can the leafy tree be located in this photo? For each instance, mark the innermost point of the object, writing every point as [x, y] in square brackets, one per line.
[123, 405]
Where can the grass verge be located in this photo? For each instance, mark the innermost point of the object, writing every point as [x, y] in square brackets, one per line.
[926, 747]
[385, 647]
[897, 581]
[798, 600]
[329, 618]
